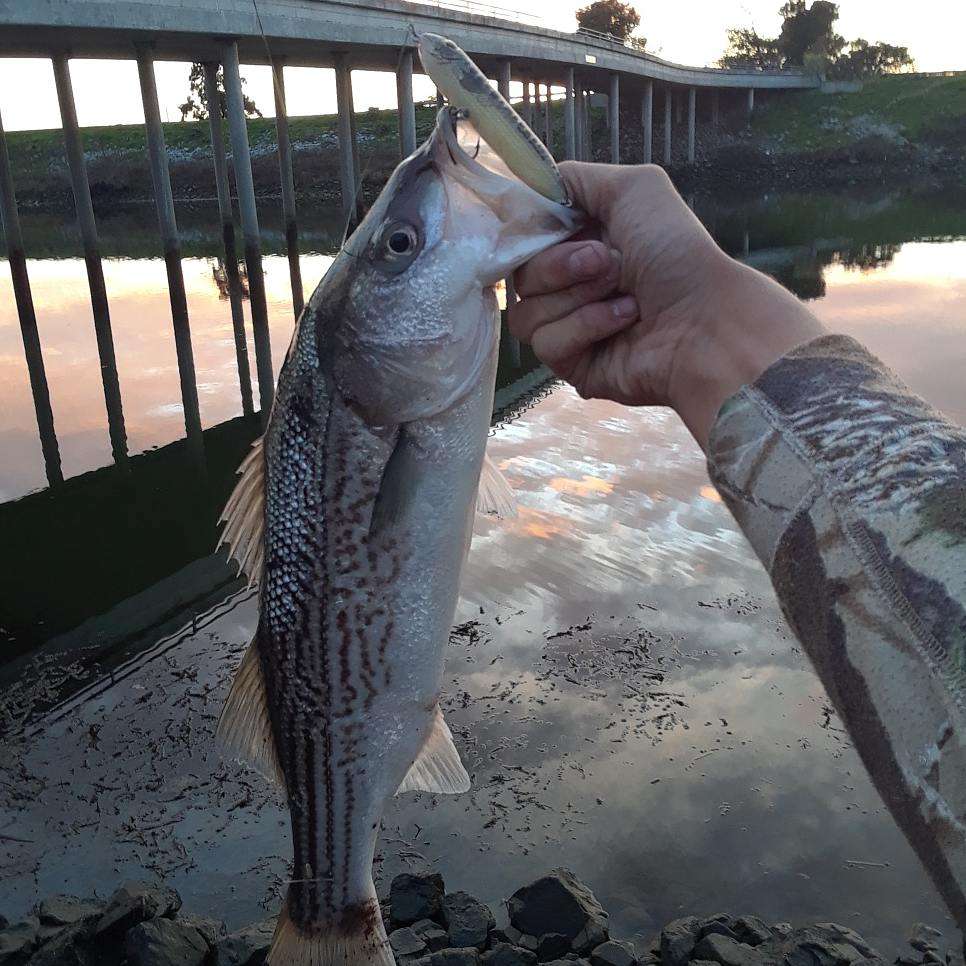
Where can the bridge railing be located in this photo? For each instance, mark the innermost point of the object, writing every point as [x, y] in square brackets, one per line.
[485, 10]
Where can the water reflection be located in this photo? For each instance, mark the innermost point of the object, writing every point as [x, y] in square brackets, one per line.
[633, 708]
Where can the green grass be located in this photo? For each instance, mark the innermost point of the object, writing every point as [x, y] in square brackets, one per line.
[919, 108]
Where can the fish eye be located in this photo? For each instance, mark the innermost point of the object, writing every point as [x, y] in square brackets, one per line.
[400, 240]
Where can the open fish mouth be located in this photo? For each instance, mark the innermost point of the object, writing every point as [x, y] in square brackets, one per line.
[498, 124]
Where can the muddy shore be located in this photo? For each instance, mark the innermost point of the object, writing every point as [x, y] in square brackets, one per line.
[555, 920]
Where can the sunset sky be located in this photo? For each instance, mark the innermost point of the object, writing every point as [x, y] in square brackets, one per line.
[688, 31]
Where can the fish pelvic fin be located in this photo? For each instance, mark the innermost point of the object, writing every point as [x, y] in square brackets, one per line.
[358, 938]
[494, 494]
[437, 767]
[244, 728]
[244, 516]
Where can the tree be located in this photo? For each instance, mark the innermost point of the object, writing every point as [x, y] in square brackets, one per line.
[196, 106]
[609, 17]
[808, 30]
[747, 49]
[869, 60]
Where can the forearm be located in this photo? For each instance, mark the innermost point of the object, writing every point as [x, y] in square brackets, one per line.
[852, 491]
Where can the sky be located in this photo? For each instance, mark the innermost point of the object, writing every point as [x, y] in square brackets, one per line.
[687, 31]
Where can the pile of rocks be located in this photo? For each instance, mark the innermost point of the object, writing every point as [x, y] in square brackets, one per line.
[555, 921]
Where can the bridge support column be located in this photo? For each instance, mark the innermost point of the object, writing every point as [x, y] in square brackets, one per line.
[547, 126]
[405, 107]
[614, 114]
[503, 83]
[668, 107]
[715, 107]
[527, 105]
[32, 350]
[537, 104]
[647, 121]
[287, 176]
[751, 103]
[347, 167]
[578, 123]
[80, 188]
[245, 185]
[570, 115]
[171, 244]
[692, 111]
[588, 117]
[232, 279]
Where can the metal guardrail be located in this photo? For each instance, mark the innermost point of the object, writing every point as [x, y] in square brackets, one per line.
[485, 10]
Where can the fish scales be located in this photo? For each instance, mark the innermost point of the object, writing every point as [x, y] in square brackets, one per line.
[368, 475]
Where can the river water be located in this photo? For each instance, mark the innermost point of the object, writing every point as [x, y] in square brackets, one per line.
[620, 682]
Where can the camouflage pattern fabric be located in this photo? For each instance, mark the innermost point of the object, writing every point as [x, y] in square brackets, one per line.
[852, 491]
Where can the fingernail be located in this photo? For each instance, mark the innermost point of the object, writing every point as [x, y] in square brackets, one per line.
[625, 307]
[586, 262]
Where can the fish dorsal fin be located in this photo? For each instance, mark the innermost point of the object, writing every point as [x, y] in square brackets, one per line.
[494, 494]
[244, 516]
[437, 768]
[244, 727]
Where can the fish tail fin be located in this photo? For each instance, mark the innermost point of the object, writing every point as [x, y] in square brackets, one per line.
[356, 938]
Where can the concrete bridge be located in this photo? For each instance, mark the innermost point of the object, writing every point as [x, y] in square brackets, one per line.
[344, 35]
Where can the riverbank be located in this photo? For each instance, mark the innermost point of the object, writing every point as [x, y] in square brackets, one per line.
[896, 130]
[555, 920]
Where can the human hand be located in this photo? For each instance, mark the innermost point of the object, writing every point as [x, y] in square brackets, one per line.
[654, 312]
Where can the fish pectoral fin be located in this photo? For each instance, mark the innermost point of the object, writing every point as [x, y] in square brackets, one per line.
[244, 728]
[396, 487]
[244, 516]
[494, 494]
[437, 768]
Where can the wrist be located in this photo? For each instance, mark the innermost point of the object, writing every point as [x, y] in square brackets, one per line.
[740, 324]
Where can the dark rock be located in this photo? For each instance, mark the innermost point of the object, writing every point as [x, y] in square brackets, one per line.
[503, 954]
[727, 951]
[71, 946]
[214, 930]
[751, 930]
[431, 934]
[17, 941]
[570, 960]
[678, 939]
[66, 910]
[135, 902]
[451, 957]
[164, 942]
[4, 922]
[613, 953]
[715, 927]
[782, 929]
[824, 944]
[522, 939]
[468, 921]
[413, 897]
[406, 942]
[246, 947]
[560, 903]
[551, 946]
[924, 938]
[932, 956]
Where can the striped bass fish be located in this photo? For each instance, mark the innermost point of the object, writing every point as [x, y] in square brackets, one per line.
[354, 514]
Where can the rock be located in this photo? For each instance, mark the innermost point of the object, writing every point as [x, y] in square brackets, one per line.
[17, 941]
[751, 930]
[715, 927]
[613, 953]
[135, 902]
[66, 910]
[924, 938]
[71, 946]
[782, 929]
[214, 930]
[451, 957]
[522, 939]
[4, 923]
[246, 947]
[431, 934]
[413, 897]
[406, 942]
[551, 946]
[164, 942]
[824, 944]
[468, 921]
[727, 951]
[678, 939]
[929, 956]
[503, 954]
[560, 903]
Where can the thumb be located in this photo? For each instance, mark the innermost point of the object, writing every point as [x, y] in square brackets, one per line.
[593, 187]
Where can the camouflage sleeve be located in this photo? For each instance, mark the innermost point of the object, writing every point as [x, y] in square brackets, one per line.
[852, 491]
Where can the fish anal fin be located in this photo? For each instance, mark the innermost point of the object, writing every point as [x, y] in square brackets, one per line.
[244, 515]
[494, 494]
[244, 727]
[437, 768]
